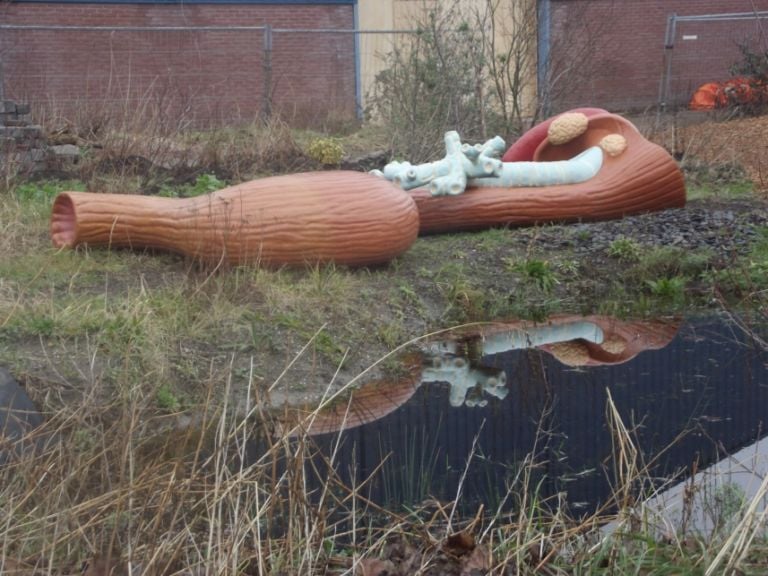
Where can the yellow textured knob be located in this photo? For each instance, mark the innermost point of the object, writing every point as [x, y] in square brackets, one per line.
[613, 144]
[567, 127]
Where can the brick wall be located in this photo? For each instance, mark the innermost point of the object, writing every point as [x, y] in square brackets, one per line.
[210, 76]
[610, 53]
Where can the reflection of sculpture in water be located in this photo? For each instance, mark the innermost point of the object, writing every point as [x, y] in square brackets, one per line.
[469, 383]
[572, 340]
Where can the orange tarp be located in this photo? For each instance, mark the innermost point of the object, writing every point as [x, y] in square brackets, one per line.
[741, 90]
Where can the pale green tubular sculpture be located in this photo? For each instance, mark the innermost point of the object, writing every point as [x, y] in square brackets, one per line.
[539, 335]
[532, 174]
[477, 165]
[449, 175]
[447, 365]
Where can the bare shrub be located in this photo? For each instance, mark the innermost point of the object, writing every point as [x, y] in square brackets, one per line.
[267, 147]
[474, 68]
[750, 99]
[432, 83]
[143, 148]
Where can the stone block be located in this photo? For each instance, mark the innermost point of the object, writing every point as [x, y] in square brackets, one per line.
[22, 133]
[36, 155]
[64, 155]
[18, 418]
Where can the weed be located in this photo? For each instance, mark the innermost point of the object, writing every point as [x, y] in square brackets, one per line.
[718, 180]
[463, 301]
[494, 238]
[42, 325]
[668, 288]
[625, 250]
[539, 272]
[166, 400]
[569, 268]
[45, 191]
[584, 235]
[326, 151]
[669, 261]
[410, 295]
[746, 276]
[733, 190]
[325, 279]
[204, 184]
[726, 505]
[320, 339]
[392, 334]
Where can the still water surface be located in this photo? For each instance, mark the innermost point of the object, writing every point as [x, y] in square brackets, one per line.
[690, 391]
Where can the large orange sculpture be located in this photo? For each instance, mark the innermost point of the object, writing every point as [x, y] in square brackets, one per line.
[635, 177]
[342, 217]
[584, 165]
[641, 178]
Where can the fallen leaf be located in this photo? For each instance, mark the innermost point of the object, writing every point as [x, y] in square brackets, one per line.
[13, 568]
[478, 562]
[375, 567]
[459, 544]
[100, 567]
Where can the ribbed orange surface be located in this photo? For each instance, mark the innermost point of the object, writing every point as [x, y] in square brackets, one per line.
[344, 217]
[642, 179]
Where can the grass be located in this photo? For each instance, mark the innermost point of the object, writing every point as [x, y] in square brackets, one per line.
[732, 190]
[164, 314]
[724, 180]
[152, 372]
[121, 492]
[625, 249]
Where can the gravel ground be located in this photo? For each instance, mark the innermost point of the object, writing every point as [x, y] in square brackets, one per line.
[710, 148]
[727, 228]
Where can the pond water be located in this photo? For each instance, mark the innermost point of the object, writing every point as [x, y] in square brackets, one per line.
[481, 405]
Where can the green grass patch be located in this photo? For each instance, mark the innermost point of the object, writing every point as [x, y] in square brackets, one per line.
[203, 184]
[44, 192]
[724, 191]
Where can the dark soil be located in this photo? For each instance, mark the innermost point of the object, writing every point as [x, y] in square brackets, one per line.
[725, 227]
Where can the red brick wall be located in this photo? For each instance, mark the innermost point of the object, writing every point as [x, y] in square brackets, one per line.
[610, 53]
[210, 76]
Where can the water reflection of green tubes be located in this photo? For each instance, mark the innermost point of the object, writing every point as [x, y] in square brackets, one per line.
[469, 384]
[539, 335]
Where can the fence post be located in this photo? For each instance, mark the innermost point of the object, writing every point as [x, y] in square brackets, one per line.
[2, 81]
[267, 99]
[669, 45]
[544, 22]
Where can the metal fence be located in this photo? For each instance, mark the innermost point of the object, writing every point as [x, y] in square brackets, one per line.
[205, 74]
[704, 48]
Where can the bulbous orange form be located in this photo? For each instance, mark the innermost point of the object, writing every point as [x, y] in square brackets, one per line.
[349, 218]
[639, 177]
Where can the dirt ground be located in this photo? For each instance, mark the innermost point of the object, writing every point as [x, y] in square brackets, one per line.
[715, 139]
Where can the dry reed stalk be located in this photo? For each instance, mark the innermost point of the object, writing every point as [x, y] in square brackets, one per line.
[738, 542]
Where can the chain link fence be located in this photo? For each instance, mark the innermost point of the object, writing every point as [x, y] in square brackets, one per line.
[704, 48]
[201, 74]
[209, 75]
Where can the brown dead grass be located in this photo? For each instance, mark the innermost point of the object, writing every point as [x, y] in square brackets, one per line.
[741, 141]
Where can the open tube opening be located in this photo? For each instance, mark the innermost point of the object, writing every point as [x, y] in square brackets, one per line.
[63, 221]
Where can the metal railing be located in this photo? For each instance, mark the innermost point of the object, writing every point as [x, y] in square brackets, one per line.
[702, 48]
